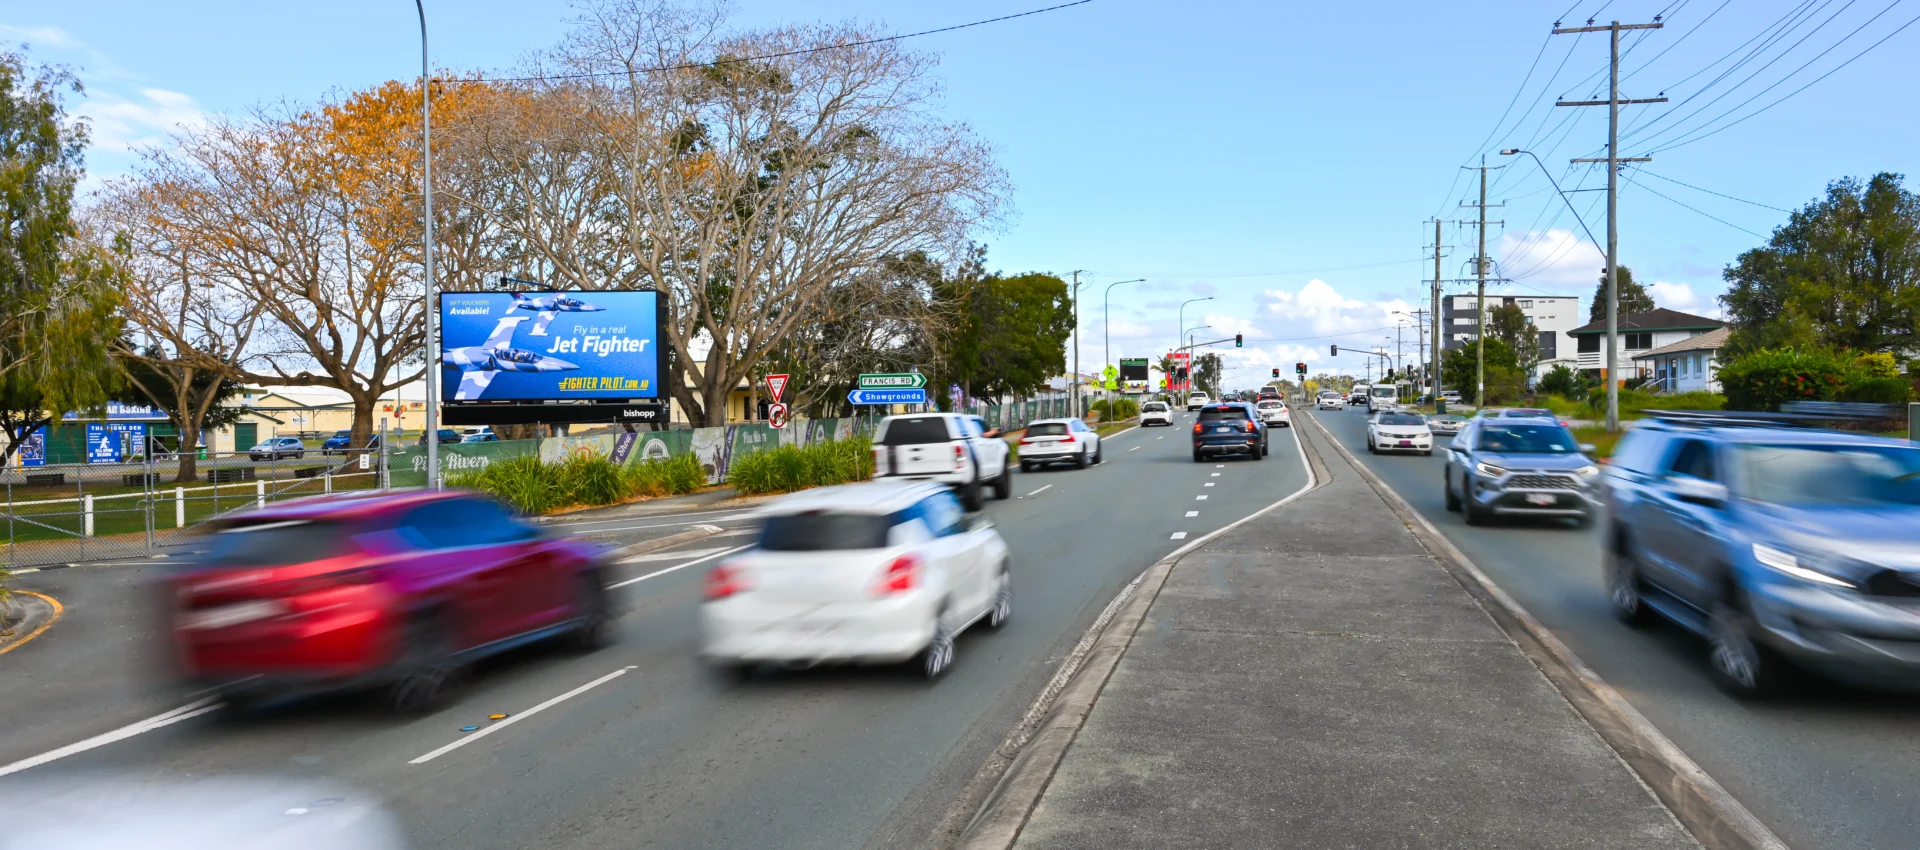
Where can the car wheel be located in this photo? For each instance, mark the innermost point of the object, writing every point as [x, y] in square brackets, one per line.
[1002, 599]
[1623, 586]
[1259, 451]
[1446, 483]
[1266, 448]
[1080, 460]
[1196, 456]
[1741, 667]
[596, 615]
[1371, 449]
[428, 669]
[1099, 452]
[1025, 466]
[1003, 483]
[1471, 506]
[937, 658]
[1427, 453]
[970, 497]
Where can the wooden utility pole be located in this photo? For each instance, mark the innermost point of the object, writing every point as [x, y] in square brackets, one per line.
[1480, 298]
[1613, 160]
[1433, 379]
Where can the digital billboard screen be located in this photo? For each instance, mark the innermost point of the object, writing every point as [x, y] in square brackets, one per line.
[546, 346]
[1133, 369]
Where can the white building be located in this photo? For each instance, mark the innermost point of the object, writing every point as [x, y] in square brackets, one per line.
[1688, 365]
[1640, 333]
[1553, 317]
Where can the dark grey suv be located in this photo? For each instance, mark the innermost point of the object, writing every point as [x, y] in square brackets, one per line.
[1515, 466]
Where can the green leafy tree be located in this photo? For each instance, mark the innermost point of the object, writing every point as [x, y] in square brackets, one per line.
[1010, 333]
[1842, 273]
[1564, 382]
[1509, 324]
[1634, 298]
[1505, 380]
[1207, 372]
[58, 291]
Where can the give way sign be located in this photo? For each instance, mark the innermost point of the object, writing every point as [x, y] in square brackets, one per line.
[775, 384]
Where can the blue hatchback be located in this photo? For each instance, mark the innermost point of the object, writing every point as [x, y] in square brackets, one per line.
[1784, 547]
[1229, 428]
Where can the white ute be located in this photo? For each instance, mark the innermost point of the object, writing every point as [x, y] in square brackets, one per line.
[950, 448]
[870, 573]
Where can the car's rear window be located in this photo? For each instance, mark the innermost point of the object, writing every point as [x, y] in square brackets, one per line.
[915, 431]
[1223, 414]
[278, 543]
[822, 531]
[1153, 406]
[1047, 429]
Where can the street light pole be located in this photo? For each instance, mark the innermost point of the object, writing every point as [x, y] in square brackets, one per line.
[1176, 340]
[1106, 345]
[429, 307]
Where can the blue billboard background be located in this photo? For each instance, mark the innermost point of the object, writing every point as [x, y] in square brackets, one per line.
[540, 346]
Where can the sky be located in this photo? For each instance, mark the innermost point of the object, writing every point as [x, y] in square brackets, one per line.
[1284, 160]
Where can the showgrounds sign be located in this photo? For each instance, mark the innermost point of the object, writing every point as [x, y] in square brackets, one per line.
[900, 396]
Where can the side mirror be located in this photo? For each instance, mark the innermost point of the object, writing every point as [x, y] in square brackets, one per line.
[1588, 448]
[1698, 491]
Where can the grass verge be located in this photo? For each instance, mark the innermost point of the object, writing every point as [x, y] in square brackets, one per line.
[533, 487]
[790, 468]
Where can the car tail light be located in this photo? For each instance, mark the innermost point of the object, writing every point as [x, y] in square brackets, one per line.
[959, 458]
[1196, 427]
[724, 580]
[901, 575]
[1067, 439]
[1250, 427]
[880, 460]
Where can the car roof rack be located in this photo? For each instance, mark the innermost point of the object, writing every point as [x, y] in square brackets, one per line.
[1736, 418]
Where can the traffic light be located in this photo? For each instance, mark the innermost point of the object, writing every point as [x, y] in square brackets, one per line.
[1389, 375]
[1336, 351]
[1300, 368]
[1237, 338]
[1276, 371]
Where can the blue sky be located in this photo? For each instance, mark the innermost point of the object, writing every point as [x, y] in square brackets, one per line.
[1283, 158]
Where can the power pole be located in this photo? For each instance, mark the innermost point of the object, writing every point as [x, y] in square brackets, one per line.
[1075, 403]
[1480, 297]
[1613, 160]
[1434, 364]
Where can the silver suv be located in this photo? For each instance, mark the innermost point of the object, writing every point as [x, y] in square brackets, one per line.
[1520, 466]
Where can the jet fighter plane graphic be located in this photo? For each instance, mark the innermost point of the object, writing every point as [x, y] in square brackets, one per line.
[478, 364]
[547, 306]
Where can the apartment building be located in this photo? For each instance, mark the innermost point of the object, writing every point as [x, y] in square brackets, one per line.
[1552, 316]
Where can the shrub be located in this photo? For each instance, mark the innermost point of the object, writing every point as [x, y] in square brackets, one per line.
[533, 487]
[1123, 408]
[789, 468]
[1565, 382]
[523, 482]
[664, 477]
[1768, 378]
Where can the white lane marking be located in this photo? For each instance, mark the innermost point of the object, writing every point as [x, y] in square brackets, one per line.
[610, 530]
[1134, 449]
[1193, 513]
[1160, 438]
[1208, 484]
[192, 709]
[658, 573]
[1219, 466]
[669, 515]
[1200, 498]
[1178, 535]
[669, 556]
[1214, 474]
[521, 716]
[1037, 492]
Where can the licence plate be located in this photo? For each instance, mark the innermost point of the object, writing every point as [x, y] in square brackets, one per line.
[803, 629]
[1406, 443]
[230, 615]
[1541, 499]
[1222, 429]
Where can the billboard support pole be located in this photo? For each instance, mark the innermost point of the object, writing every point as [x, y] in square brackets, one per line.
[430, 309]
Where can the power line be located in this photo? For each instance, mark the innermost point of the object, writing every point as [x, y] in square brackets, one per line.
[1676, 42]
[799, 52]
[1711, 192]
[1785, 25]
[1629, 179]
[1268, 274]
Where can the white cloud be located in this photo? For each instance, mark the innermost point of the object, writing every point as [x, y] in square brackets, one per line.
[1322, 310]
[1680, 296]
[41, 36]
[124, 124]
[1550, 259]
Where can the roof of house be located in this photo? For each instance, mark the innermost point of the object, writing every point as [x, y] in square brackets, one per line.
[1708, 341]
[286, 398]
[1657, 319]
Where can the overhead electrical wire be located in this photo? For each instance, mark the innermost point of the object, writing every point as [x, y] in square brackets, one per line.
[1771, 34]
[1645, 173]
[1627, 176]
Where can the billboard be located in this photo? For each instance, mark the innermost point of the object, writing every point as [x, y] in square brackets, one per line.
[1133, 369]
[1181, 379]
[520, 346]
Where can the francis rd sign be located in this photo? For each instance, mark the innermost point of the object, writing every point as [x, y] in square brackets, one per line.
[892, 381]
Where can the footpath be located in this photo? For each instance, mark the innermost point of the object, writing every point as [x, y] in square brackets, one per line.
[1315, 678]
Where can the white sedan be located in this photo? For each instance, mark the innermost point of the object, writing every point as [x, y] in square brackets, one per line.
[1399, 431]
[1050, 441]
[1274, 412]
[871, 573]
[1331, 401]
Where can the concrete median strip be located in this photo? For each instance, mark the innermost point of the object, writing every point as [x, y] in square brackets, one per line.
[1713, 816]
[698, 532]
[1024, 764]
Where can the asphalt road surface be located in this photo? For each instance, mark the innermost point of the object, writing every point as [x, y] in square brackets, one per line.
[636, 745]
[1823, 766]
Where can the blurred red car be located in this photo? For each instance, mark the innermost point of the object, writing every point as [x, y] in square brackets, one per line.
[394, 592]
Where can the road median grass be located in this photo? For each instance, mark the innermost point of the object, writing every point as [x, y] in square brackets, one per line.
[534, 487]
[789, 468]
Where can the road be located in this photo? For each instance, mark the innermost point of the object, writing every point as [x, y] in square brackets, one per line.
[637, 745]
[1823, 767]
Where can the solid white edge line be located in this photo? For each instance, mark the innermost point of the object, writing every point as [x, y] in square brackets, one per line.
[1037, 492]
[192, 709]
[521, 716]
[638, 579]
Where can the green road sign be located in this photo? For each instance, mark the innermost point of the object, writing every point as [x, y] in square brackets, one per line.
[893, 381]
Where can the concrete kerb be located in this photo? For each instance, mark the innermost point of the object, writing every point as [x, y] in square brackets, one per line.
[30, 615]
[643, 547]
[1039, 743]
[1716, 819]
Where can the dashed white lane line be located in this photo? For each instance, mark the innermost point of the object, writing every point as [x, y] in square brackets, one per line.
[1200, 498]
[192, 709]
[521, 716]
[1193, 513]
[1160, 438]
[659, 573]
[1208, 484]
[1136, 448]
[1214, 474]
[1219, 466]
[1178, 535]
[1037, 492]
[670, 556]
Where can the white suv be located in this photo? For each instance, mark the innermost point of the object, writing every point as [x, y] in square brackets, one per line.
[1049, 441]
[1156, 413]
[871, 573]
[1274, 412]
[951, 448]
[1197, 400]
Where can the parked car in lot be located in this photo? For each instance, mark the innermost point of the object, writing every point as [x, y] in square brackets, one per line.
[1197, 400]
[1450, 396]
[337, 444]
[1396, 431]
[1274, 412]
[1156, 413]
[1520, 467]
[1446, 424]
[388, 592]
[1050, 441]
[1229, 429]
[481, 437]
[954, 449]
[1784, 547]
[447, 435]
[277, 448]
[871, 573]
